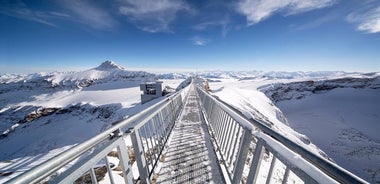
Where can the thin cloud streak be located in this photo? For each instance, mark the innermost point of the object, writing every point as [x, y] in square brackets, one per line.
[153, 16]
[223, 24]
[257, 10]
[90, 15]
[74, 11]
[317, 22]
[199, 41]
[20, 10]
[368, 21]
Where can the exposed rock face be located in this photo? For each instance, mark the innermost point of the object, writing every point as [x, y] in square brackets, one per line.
[297, 90]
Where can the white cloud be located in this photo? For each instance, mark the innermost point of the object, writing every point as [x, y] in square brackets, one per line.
[199, 41]
[89, 14]
[153, 16]
[368, 21]
[72, 10]
[258, 10]
[223, 23]
[318, 21]
[19, 10]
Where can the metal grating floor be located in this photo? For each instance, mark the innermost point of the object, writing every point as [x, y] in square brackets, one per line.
[190, 157]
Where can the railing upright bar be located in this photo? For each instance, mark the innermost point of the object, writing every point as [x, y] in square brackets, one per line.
[156, 147]
[227, 134]
[256, 162]
[122, 150]
[272, 164]
[161, 128]
[286, 175]
[235, 147]
[212, 119]
[172, 113]
[93, 176]
[140, 157]
[210, 109]
[153, 142]
[232, 142]
[219, 126]
[225, 129]
[109, 170]
[242, 156]
[149, 149]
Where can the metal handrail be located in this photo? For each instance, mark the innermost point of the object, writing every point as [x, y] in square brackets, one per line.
[222, 120]
[52, 165]
[149, 130]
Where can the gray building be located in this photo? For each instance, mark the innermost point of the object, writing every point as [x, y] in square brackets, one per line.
[151, 90]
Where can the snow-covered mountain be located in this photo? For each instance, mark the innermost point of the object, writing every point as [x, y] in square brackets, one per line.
[297, 90]
[107, 71]
[25, 94]
[44, 114]
[256, 75]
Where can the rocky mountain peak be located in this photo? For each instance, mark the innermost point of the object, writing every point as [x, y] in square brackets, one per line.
[109, 65]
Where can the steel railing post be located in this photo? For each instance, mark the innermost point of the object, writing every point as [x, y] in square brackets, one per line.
[140, 157]
[256, 162]
[124, 162]
[242, 156]
[93, 176]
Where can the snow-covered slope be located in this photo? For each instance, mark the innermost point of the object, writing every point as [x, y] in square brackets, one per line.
[255, 105]
[43, 114]
[336, 112]
[341, 116]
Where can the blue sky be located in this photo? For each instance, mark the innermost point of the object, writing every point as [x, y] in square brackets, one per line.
[180, 35]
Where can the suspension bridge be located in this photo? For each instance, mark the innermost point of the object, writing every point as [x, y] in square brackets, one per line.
[189, 137]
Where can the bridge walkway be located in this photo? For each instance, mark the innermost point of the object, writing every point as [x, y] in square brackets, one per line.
[190, 157]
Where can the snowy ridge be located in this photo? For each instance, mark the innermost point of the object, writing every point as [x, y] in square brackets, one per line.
[272, 75]
[107, 71]
[297, 90]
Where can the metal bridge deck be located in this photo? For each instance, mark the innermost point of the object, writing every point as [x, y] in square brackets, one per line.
[190, 157]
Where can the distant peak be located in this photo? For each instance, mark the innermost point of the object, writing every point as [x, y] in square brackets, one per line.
[109, 65]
